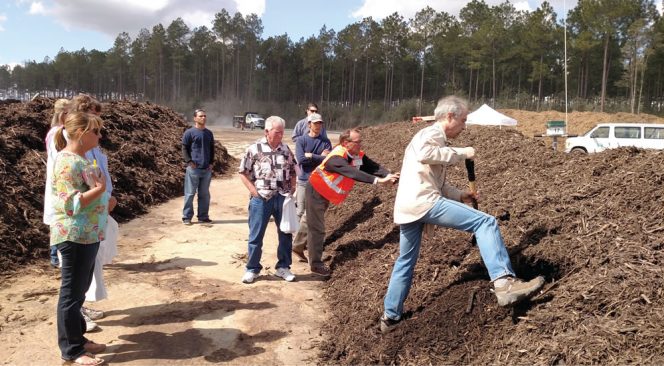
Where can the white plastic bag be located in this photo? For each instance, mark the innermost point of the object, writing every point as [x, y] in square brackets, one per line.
[108, 248]
[290, 223]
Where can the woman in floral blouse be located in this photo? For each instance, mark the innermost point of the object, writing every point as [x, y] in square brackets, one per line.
[81, 209]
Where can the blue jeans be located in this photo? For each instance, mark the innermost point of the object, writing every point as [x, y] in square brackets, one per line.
[78, 263]
[54, 255]
[260, 211]
[196, 180]
[450, 214]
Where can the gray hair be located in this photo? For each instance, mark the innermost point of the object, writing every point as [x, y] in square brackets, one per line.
[451, 104]
[274, 121]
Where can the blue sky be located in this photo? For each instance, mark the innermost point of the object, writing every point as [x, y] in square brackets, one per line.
[34, 29]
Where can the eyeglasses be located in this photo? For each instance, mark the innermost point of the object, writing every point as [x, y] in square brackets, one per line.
[313, 110]
[356, 141]
[317, 122]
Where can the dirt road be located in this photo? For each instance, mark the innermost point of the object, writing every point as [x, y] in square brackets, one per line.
[175, 295]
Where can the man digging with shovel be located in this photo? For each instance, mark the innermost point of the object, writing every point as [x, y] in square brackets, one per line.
[423, 197]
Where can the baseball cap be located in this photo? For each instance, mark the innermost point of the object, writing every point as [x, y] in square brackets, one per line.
[314, 117]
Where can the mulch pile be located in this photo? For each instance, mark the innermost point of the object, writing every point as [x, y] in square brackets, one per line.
[593, 225]
[142, 141]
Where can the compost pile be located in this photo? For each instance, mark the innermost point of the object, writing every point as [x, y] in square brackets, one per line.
[591, 224]
[143, 144]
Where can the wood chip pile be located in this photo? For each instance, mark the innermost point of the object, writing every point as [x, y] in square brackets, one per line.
[593, 225]
[142, 141]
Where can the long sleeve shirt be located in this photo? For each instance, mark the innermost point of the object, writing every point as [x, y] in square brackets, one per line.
[51, 153]
[423, 173]
[315, 146]
[198, 147]
[102, 162]
[367, 172]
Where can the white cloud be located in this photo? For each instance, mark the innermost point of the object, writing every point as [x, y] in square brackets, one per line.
[379, 9]
[251, 6]
[522, 6]
[660, 6]
[12, 65]
[115, 16]
[36, 7]
[3, 18]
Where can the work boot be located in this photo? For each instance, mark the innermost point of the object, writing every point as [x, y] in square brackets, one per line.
[321, 270]
[387, 325]
[515, 290]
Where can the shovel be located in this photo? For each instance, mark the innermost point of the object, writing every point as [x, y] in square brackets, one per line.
[470, 168]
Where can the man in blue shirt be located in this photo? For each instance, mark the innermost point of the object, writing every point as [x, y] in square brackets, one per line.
[302, 126]
[198, 153]
[310, 151]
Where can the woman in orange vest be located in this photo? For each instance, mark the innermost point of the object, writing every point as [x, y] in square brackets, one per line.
[331, 182]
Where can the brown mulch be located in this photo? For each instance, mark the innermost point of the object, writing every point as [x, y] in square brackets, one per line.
[142, 141]
[593, 225]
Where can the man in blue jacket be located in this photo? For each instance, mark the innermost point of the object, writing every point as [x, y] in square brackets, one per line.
[310, 150]
[198, 153]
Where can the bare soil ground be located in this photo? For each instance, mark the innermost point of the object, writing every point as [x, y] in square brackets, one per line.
[175, 295]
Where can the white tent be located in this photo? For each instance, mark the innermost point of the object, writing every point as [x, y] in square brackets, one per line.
[488, 116]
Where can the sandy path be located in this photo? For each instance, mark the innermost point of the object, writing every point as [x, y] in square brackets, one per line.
[175, 295]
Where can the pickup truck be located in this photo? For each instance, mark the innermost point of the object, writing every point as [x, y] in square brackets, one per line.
[250, 120]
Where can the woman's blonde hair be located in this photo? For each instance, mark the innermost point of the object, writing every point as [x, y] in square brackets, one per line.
[85, 103]
[76, 124]
[60, 108]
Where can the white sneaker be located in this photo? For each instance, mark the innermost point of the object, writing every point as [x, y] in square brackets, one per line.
[249, 277]
[90, 326]
[286, 274]
[92, 313]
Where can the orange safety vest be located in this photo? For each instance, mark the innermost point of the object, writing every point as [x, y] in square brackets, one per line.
[333, 186]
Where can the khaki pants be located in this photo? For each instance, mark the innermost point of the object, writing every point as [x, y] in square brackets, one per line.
[300, 239]
[315, 221]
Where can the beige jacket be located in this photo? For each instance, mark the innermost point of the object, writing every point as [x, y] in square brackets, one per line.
[422, 181]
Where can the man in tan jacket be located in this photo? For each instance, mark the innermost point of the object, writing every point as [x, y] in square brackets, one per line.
[424, 197]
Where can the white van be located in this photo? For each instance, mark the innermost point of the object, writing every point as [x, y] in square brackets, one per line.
[612, 135]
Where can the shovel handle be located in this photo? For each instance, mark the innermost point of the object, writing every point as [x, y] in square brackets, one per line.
[472, 185]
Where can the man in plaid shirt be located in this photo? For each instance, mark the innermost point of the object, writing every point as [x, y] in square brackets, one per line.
[268, 171]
